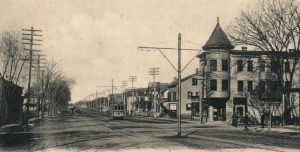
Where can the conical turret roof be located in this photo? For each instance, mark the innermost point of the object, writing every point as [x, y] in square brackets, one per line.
[218, 40]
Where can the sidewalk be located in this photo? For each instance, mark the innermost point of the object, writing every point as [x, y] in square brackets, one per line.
[18, 127]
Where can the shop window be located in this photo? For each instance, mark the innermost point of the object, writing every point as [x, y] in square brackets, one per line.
[172, 106]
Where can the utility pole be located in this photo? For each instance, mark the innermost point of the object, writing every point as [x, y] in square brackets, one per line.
[154, 72]
[132, 79]
[124, 84]
[204, 76]
[179, 70]
[179, 85]
[38, 68]
[28, 38]
[112, 90]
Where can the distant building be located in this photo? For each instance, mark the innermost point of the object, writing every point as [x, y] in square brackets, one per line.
[155, 93]
[136, 102]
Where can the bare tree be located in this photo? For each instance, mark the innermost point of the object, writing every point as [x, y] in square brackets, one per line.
[56, 88]
[273, 27]
[13, 56]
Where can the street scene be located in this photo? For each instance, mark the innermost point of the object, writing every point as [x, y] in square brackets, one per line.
[139, 75]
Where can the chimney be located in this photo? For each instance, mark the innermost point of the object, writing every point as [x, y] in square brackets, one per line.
[244, 48]
[175, 79]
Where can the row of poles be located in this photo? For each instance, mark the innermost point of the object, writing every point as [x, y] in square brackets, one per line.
[179, 70]
[31, 39]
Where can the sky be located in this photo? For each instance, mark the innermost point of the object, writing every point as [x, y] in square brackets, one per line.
[97, 40]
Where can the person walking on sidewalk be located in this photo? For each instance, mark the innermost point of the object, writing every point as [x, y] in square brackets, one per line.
[262, 120]
[234, 120]
[246, 119]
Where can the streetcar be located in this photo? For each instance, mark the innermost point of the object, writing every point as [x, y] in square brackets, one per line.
[117, 111]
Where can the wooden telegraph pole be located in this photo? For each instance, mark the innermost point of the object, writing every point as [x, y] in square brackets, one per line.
[179, 70]
[29, 40]
[112, 90]
[154, 72]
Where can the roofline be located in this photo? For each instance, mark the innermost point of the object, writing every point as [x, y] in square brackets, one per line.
[257, 53]
[182, 80]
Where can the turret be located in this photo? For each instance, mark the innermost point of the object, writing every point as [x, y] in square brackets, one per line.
[217, 50]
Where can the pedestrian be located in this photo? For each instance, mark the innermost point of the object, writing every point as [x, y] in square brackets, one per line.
[246, 119]
[234, 120]
[262, 120]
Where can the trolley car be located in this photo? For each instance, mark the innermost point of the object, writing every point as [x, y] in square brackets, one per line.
[117, 111]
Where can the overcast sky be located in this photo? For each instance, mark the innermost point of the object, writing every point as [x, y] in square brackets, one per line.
[97, 40]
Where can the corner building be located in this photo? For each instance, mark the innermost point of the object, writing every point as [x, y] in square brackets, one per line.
[230, 76]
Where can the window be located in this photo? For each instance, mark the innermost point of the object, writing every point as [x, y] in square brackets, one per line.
[172, 106]
[213, 84]
[262, 66]
[273, 86]
[224, 65]
[194, 82]
[287, 66]
[273, 66]
[250, 66]
[287, 84]
[188, 106]
[250, 85]
[240, 65]
[174, 96]
[262, 85]
[198, 94]
[240, 86]
[213, 65]
[189, 94]
[224, 85]
[169, 95]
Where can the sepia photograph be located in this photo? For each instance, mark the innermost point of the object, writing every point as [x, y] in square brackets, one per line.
[149, 75]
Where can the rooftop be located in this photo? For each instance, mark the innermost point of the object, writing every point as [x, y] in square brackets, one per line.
[218, 40]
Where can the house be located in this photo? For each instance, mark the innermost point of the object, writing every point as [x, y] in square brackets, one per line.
[136, 102]
[190, 92]
[232, 75]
